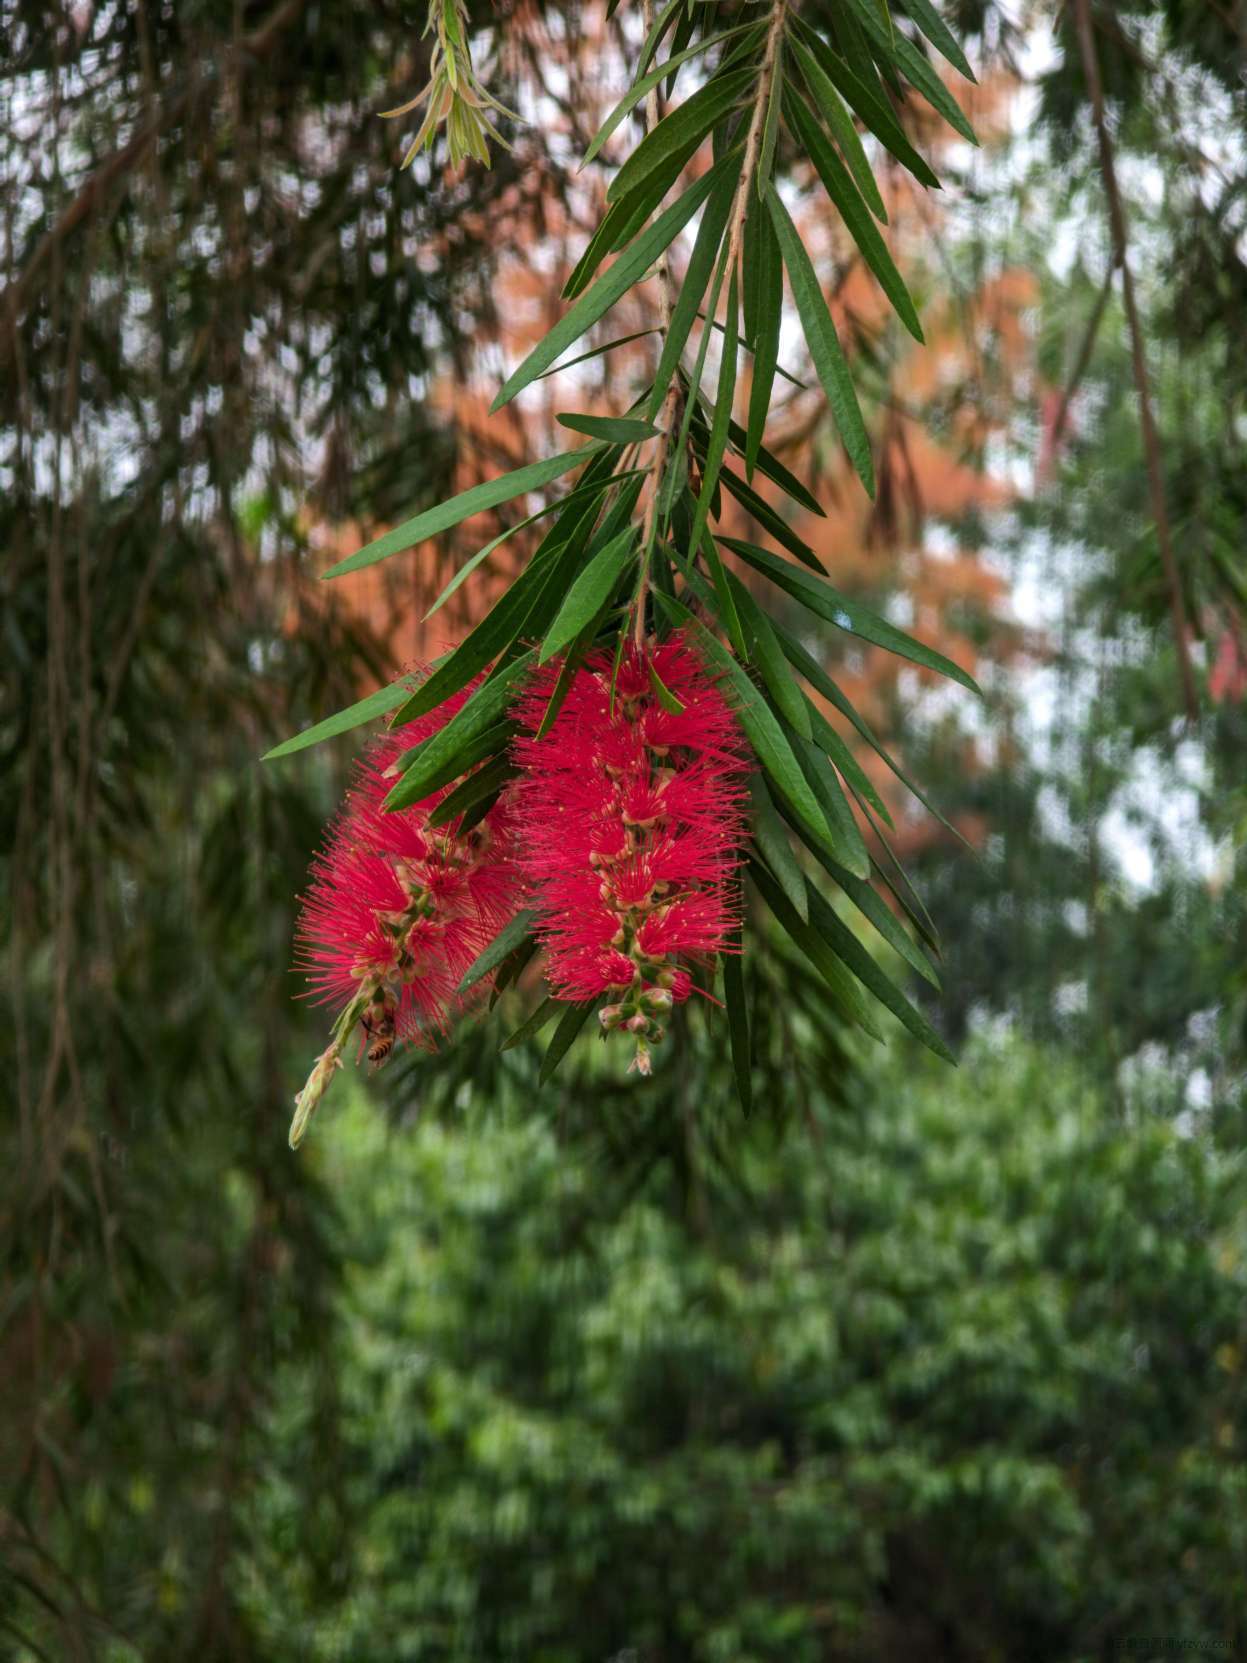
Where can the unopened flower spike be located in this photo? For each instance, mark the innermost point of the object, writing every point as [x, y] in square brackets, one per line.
[454, 95]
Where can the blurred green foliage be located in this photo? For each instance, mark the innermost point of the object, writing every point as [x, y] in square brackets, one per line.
[916, 1364]
[957, 1371]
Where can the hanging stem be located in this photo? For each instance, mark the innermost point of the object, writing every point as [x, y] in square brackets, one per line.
[1151, 440]
[670, 412]
[757, 126]
[667, 415]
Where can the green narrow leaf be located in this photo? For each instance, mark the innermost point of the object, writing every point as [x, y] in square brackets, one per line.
[664, 695]
[519, 606]
[840, 188]
[770, 126]
[792, 380]
[831, 106]
[908, 899]
[619, 430]
[901, 51]
[482, 785]
[509, 937]
[769, 657]
[531, 1025]
[774, 469]
[621, 642]
[683, 34]
[441, 750]
[717, 442]
[677, 468]
[621, 222]
[608, 288]
[563, 685]
[849, 615]
[354, 716]
[866, 898]
[940, 35]
[597, 351]
[576, 498]
[738, 1023]
[865, 96]
[589, 592]
[681, 132]
[766, 517]
[822, 683]
[771, 839]
[851, 39]
[855, 776]
[485, 743]
[750, 254]
[662, 23]
[760, 725]
[512, 968]
[932, 88]
[637, 91]
[727, 605]
[770, 311]
[850, 851]
[824, 344]
[501, 626]
[844, 990]
[573, 1020]
[846, 946]
[692, 291]
[531, 477]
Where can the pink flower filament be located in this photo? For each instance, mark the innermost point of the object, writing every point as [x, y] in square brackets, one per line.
[632, 825]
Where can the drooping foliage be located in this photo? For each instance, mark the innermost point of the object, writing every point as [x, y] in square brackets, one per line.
[635, 549]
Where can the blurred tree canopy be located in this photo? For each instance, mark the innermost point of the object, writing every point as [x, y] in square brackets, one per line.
[956, 1371]
[953, 1368]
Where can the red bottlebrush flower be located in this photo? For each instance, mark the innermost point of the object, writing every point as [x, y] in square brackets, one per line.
[631, 825]
[397, 910]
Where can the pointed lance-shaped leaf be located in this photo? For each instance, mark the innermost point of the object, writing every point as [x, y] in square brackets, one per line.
[618, 430]
[573, 1020]
[506, 941]
[489, 494]
[763, 731]
[940, 35]
[769, 310]
[364, 710]
[865, 97]
[684, 313]
[637, 91]
[680, 133]
[442, 751]
[865, 233]
[614, 283]
[589, 592]
[819, 596]
[830, 105]
[771, 839]
[823, 342]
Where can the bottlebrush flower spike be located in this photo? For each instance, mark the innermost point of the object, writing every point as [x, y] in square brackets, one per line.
[397, 910]
[631, 819]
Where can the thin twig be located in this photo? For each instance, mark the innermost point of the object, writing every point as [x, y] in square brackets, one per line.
[757, 124]
[1151, 440]
[669, 414]
[740, 203]
[97, 186]
[1083, 360]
